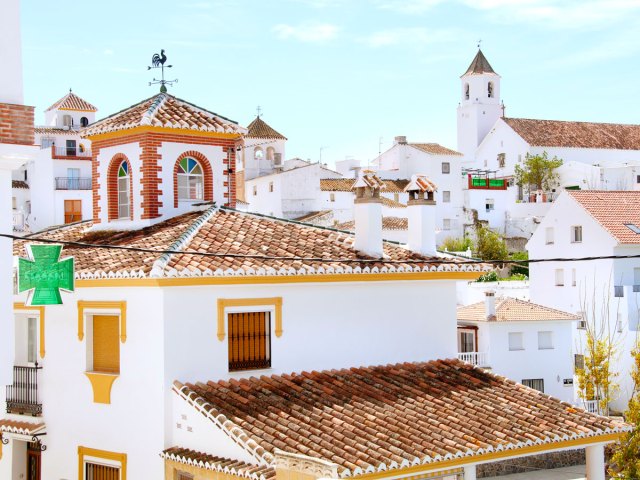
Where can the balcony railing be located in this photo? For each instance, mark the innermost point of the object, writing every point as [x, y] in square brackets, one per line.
[593, 406]
[484, 183]
[19, 223]
[480, 359]
[22, 395]
[70, 152]
[73, 183]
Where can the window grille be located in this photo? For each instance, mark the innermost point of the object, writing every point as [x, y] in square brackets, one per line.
[249, 340]
[95, 471]
[446, 167]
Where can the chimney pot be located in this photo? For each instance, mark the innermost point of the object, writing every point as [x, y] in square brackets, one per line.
[490, 304]
[400, 140]
[368, 214]
[421, 215]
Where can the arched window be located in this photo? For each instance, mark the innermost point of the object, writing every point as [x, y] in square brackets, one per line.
[271, 153]
[67, 121]
[258, 154]
[124, 207]
[190, 180]
[490, 90]
[84, 121]
[466, 91]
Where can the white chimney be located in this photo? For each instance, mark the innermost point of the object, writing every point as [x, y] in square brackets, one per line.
[490, 304]
[367, 211]
[400, 139]
[421, 213]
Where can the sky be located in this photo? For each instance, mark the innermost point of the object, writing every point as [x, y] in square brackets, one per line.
[339, 78]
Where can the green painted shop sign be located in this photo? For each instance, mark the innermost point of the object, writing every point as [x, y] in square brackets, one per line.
[45, 274]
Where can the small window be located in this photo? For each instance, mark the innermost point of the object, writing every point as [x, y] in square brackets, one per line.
[84, 122]
[396, 197]
[67, 121]
[632, 227]
[489, 204]
[618, 291]
[578, 361]
[535, 383]
[446, 167]
[258, 154]
[582, 324]
[446, 196]
[270, 187]
[14, 203]
[183, 475]
[123, 191]
[249, 341]
[332, 197]
[96, 471]
[47, 142]
[466, 341]
[446, 224]
[255, 190]
[559, 277]
[466, 93]
[32, 340]
[573, 277]
[545, 340]
[106, 344]
[516, 341]
[190, 180]
[576, 234]
[548, 232]
[502, 157]
[490, 90]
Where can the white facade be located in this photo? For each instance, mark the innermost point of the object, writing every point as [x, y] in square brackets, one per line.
[581, 286]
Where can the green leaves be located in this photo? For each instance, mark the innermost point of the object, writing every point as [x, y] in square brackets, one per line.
[537, 172]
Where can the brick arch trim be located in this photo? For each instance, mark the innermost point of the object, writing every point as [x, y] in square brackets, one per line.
[112, 186]
[207, 175]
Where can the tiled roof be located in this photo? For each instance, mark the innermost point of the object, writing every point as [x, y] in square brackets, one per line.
[421, 183]
[346, 185]
[219, 464]
[434, 149]
[479, 65]
[261, 129]
[512, 310]
[230, 232]
[312, 216]
[44, 130]
[72, 102]
[388, 417]
[556, 133]
[388, 223]
[20, 427]
[612, 209]
[389, 203]
[19, 184]
[164, 110]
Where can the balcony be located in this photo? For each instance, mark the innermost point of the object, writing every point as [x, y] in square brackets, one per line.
[22, 395]
[73, 183]
[70, 153]
[19, 222]
[479, 359]
[485, 183]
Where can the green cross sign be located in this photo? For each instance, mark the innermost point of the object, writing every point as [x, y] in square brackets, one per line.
[45, 274]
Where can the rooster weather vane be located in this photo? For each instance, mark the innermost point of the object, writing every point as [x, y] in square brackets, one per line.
[158, 61]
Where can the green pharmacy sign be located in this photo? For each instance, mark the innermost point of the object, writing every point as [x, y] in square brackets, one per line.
[45, 274]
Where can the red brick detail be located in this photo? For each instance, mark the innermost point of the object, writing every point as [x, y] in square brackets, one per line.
[16, 124]
[112, 186]
[206, 173]
[150, 179]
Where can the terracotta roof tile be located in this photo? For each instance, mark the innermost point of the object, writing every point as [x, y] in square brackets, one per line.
[513, 310]
[434, 149]
[369, 417]
[556, 133]
[19, 184]
[479, 65]
[389, 203]
[346, 185]
[72, 102]
[388, 223]
[261, 129]
[44, 130]
[613, 210]
[229, 232]
[20, 427]
[164, 110]
[309, 217]
[220, 464]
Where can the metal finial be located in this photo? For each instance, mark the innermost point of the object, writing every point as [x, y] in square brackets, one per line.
[479, 42]
[158, 61]
[259, 111]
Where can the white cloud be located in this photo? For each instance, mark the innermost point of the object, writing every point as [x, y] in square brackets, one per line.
[409, 36]
[312, 33]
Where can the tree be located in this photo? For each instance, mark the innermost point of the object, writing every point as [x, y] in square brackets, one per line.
[625, 462]
[490, 245]
[537, 172]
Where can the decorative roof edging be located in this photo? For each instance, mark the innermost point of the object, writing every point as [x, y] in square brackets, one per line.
[211, 466]
[317, 467]
[233, 431]
[159, 101]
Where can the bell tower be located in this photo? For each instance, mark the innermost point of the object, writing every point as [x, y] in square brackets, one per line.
[479, 106]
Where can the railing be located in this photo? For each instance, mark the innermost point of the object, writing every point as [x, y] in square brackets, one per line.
[484, 183]
[481, 359]
[22, 395]
[70, 152]
[593, 406]
[19, 224]
[73, 183]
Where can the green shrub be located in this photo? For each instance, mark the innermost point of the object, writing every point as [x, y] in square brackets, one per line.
[519, 268]
[453, 244]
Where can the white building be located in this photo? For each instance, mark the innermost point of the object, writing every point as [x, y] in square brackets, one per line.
[584, 224]
[263, 151]
[529, 343]
[58, 181]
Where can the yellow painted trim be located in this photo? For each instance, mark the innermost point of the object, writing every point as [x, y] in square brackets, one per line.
[491, 456]
[40, 310]
[275, 279]
[223, 303]
[105, 455]
[153, 129]
[101, 384]
[103, 305]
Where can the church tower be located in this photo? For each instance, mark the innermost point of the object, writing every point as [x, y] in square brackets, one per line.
[479, 106]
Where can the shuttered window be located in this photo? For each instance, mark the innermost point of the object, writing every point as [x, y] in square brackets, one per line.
[106, 344]
[249, 340]
[94, 471]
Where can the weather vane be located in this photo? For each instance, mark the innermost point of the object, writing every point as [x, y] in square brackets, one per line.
[158, 61]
